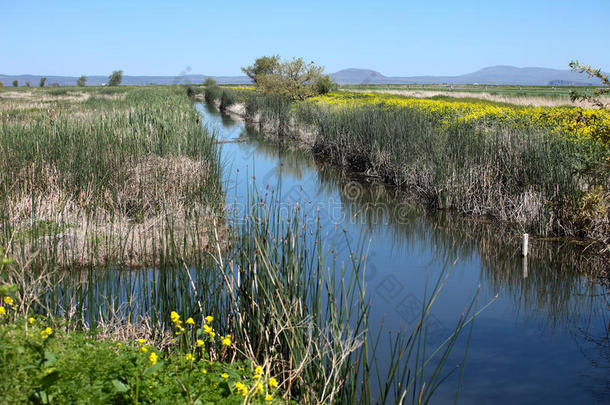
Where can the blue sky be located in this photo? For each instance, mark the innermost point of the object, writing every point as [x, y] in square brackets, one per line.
[397, 38]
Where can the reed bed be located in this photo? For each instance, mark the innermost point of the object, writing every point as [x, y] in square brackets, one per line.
[545, 180]
[96, 178]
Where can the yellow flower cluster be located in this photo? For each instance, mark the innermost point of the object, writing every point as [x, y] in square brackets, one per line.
[578, 123]
[45, 333]
[258, 385]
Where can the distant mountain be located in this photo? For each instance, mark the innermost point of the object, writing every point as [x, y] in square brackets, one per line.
[528, 76]
[358, 76]
[131, 80]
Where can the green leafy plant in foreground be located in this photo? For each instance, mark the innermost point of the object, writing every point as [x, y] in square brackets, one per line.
[43, 364]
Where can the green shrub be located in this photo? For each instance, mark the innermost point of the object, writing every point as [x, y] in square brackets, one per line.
[209, 81]
[211, 94]
[325, 85]
[227, 99]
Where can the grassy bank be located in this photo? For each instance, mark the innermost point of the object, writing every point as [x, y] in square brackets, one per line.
[105, 174]
[543, 169]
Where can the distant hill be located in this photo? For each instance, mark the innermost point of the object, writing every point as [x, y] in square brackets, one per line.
[528, 76]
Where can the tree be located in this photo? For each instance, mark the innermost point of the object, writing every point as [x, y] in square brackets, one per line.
[43, 80]
[596, 98]
[115, 78]
[293, 79]
[209, 81]
[15, 83]
[81, 81]
[264, 65]
[27, 84]
[1, 84]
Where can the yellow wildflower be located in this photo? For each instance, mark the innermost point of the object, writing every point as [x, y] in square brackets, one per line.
[189, 356]
[174, 316]
[226, 341]
[143, 349]
[2, 311]
[258, 371]
[141, 341]
[30, 320]
[273, 383]
[199, 342]
[9, 301]
[224, 375]
[209, 319]
[152, 358]
[46, 332]
[204, 371]
[269, 398]
[190, 321]
[241, 388]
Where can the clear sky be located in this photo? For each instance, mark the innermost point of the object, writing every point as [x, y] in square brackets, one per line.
[396, 38]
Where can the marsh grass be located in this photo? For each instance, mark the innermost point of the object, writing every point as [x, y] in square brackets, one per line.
[522, 174]
[106, 170]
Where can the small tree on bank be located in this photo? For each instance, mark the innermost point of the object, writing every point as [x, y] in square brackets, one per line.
[43, 80]
[115, 78]
[264, 65]
[294, 79]
[596, 98]
[82, 81]
[15, 83]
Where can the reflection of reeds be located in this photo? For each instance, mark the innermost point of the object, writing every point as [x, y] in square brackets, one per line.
[560, 276]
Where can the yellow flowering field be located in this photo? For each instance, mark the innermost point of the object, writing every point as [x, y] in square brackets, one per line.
[572, 121]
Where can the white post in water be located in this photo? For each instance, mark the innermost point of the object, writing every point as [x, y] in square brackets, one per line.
[524, 245]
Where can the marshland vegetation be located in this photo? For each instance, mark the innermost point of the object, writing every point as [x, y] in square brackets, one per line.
[113, 223]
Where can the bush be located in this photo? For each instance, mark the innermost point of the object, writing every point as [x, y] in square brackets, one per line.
[211, 94]
[15, 83]
[227, 99]
[43, 81]
[325, 85]
[209, 81]
[115, 78]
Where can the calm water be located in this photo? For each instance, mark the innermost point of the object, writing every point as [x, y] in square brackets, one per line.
[543, 340]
